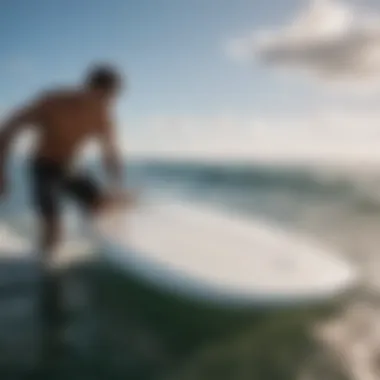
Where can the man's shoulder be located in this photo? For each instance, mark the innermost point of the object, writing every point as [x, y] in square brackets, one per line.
[59, 95]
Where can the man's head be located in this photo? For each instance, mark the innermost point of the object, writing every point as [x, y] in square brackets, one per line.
[104, 79]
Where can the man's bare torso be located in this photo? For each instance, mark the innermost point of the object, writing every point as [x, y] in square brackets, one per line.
[65, 121]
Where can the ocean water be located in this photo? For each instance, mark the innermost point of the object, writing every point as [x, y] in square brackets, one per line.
[338, 206]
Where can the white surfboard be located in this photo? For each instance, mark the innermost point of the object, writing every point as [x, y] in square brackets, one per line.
[215, 256]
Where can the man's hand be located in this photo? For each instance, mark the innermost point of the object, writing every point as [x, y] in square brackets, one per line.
[112, 159]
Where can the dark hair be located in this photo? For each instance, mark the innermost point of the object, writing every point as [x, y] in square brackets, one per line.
[104, 77]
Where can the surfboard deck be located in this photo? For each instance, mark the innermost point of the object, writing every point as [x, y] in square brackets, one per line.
[213, 256]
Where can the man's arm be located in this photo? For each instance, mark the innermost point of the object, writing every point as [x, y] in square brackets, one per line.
[10, 129]
[112, 159]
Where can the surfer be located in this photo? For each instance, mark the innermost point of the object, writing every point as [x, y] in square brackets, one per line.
[66, 119]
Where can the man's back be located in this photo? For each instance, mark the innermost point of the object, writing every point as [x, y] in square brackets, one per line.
[65, 120]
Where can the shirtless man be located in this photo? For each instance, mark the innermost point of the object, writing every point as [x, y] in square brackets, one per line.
[65, 120]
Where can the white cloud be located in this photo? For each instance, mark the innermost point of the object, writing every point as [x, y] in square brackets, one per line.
[332, 137]
[329, 40]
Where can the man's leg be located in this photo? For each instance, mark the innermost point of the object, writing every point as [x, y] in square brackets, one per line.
[88, 194]
[49, 239]
[92, 199]
[47, 248]
[46, 179]
[46, 203]
[45, 186]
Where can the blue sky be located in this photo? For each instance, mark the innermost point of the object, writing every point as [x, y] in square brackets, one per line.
[171, 50]
[175, 56]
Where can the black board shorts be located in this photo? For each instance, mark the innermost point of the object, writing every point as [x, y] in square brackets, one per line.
[50, 180]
